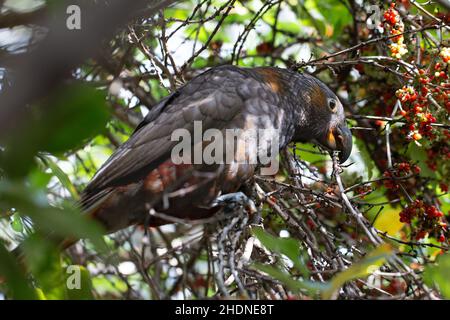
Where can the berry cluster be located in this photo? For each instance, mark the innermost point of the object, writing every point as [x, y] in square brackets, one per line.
[439, 151]
[423, 104]
[440, 79]
[400, 170]
[445, 54]
[416, 105]
[407, 93]
[428, 220]
[363, 190]
[396, 286]
[418, 120]
[395, 26]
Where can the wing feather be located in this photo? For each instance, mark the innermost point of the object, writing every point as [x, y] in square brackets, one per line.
[214, 97]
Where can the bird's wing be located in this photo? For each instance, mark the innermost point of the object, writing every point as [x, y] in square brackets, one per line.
[216, 98]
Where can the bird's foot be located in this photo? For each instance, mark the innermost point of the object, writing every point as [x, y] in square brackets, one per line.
[232, 201]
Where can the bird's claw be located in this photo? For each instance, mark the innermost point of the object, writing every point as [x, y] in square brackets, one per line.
[233, 200]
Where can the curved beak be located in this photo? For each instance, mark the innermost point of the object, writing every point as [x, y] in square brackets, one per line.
[340, 138]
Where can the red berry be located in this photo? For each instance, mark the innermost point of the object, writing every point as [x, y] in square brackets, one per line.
[421, 234]
[416, 169]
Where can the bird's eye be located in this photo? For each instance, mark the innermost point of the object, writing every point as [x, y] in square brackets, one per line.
[332, 104]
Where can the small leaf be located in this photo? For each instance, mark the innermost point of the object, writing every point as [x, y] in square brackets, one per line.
[16, 223]
[366, 157]
[68, 223]
[388, 221]
[65, 222]
[366, 266]
[39, 179]
[43, 259]
[78, 112]
[294, 285]
[62, 122]
[287, 246]
[61, 175]
[311, 157]
[438, 275]
[419, 155]
[12, 276]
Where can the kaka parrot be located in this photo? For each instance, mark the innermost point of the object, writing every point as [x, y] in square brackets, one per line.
[141, 175]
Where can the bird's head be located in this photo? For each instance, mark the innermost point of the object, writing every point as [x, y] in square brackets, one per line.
[323, 118]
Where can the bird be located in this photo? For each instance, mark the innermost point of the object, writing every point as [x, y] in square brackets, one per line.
[142, 176]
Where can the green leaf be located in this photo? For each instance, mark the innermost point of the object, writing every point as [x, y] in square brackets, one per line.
[366, 157]
[360, 269]
[366, 266]
[13, 277]
[287, 246]
[418, 154]
[16, 223]
[68, 223]
[62, 122]
[65, 222]
[109, 285]
[39, 179]
[239, 18]
[74, 114]
[176, 13]
[311, 157]
[294, 285]
[61, 175]
[43, 260]
[289, 26]
[438, 275]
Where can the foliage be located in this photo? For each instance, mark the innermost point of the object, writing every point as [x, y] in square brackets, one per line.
[366, 230]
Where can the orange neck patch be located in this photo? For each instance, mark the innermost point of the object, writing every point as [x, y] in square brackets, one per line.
[317, 95]
[272, 78]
